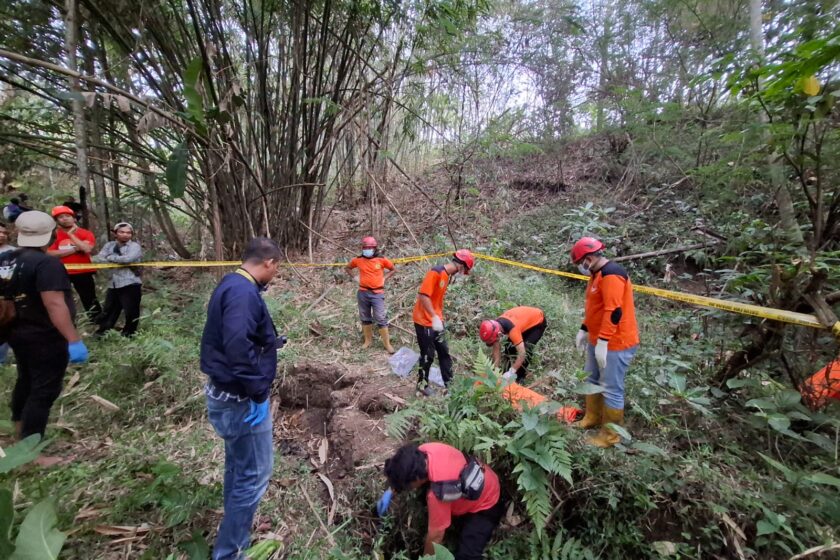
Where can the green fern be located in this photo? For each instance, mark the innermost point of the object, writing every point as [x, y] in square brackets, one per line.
[398, 424]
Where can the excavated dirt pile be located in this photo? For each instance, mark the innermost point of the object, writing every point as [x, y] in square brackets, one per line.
[344, 405]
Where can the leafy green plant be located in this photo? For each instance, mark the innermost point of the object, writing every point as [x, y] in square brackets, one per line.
[37, 536]
[441, 553]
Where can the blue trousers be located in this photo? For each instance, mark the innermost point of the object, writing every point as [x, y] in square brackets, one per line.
[611, 378]
[249, 460]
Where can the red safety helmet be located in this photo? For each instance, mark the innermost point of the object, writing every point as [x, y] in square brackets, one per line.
[489, 331]
[59, 210]
[466, 258]
[369, 241]
[585, 246]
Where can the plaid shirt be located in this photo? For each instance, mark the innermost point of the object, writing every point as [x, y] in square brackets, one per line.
[116, 253]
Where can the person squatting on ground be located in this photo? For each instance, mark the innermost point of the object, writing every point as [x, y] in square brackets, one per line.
[443, 469]
[428, 318]
[524, 327]
[371, 294]
[42, 333]
[5, 246]
[239, 355]
[73, 245]
[609, 337]
[125, 288]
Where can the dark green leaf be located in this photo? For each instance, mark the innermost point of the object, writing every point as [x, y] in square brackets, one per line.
[196, 548]
[176, 170]
[7, 515]
[822, 478]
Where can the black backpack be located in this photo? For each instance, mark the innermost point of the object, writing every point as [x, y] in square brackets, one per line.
[469, 484]
[9, 269]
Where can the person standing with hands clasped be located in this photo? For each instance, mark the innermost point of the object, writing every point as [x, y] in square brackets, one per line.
[609, 336]
[42, 333]
[125, 288]
[428, 318]
[239, 355]
[371, 294]
[73, 245]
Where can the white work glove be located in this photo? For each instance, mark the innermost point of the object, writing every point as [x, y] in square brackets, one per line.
[509, 374]
[581, 340]
[601, 353]
[437, 324]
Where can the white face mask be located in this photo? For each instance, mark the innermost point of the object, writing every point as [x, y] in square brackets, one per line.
[368, 252]
[585, 269]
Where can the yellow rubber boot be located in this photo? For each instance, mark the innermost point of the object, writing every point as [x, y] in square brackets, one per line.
[592, 412]
[607, 437]
[367, 331]
[386, 339]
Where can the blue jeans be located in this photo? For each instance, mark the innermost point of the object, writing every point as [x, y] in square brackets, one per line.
[4, 353]
[249, 459]
[612, 377]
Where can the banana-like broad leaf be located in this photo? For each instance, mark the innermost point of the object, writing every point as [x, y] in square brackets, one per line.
[38, 539]
[176, 170]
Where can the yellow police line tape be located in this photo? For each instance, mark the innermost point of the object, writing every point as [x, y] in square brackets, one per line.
[792, 317]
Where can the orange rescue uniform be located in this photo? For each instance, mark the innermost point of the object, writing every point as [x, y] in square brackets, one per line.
[434, 286]
[522, 318]
[610, 313]
[371, 275]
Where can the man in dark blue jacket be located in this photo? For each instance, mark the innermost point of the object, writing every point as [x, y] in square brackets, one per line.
[239, 355]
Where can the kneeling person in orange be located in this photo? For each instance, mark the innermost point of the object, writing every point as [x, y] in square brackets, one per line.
[609, 337]
[371, 294]
[457, 486]
[524, 327]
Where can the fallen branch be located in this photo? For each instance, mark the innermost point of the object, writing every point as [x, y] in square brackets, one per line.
[318, 517]
[666, 251]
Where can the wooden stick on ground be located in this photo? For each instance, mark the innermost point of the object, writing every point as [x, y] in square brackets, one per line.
[318, 517]
[665, 251]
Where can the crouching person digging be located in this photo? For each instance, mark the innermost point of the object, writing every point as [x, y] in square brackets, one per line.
[456, 485]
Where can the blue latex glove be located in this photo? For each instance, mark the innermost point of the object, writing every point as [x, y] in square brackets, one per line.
[384, 502]
[78, 352]
[258, 413]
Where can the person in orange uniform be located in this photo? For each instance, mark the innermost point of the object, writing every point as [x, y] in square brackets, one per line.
[524, 327]
[74, 245]
[609, 336]
[371, 294]
[439, 466]
[428, 318]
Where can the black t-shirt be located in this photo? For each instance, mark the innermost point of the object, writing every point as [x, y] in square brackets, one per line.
[38, 273]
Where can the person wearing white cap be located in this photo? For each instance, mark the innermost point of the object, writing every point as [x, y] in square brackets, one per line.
[42, 333]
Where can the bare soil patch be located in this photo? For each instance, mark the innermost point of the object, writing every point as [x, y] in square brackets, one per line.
[343, 405]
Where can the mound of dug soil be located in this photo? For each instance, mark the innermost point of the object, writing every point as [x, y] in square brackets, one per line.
[345, 405]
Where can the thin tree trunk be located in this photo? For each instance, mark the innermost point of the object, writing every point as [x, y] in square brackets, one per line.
[71, 38]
